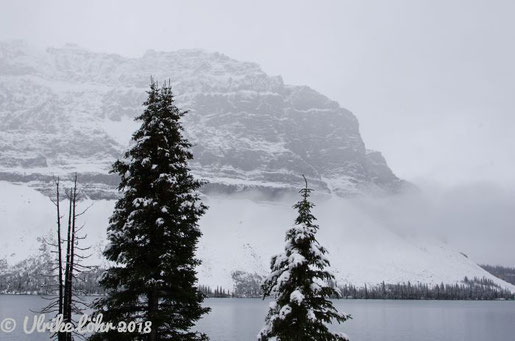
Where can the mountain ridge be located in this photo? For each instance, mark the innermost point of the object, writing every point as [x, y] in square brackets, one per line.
[68, 109]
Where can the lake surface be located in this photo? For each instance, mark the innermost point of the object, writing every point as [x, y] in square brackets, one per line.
[373, 320]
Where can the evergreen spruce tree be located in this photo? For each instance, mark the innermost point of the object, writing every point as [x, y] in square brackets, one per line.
[153, 231]
[299, 283]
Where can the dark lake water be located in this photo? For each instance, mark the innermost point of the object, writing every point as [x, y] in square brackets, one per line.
[373, 320]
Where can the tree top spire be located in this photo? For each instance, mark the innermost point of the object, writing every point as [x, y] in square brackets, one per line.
[306, 190]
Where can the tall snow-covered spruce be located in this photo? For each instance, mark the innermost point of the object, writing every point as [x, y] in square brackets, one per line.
[153, 232]
[301, 309]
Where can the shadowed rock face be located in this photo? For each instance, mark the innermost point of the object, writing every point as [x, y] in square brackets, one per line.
[68, 109]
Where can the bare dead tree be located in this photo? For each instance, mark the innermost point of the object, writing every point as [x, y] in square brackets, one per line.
[67, 303]
[59, 248]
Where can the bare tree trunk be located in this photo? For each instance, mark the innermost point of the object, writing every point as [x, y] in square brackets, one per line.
[68, 276]
[72, 252]
[60, 336]
[152, 309]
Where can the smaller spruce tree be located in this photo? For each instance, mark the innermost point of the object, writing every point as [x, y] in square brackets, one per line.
[299, 283]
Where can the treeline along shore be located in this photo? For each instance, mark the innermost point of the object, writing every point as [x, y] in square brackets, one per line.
[19, 280]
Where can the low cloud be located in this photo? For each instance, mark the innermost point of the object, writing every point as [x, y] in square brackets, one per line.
[477, 219]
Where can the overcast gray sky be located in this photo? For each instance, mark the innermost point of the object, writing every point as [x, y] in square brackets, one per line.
[431, 82]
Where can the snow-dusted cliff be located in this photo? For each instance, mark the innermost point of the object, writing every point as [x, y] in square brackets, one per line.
[68, 109]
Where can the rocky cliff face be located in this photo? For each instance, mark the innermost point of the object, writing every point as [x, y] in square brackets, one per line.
[68, 109]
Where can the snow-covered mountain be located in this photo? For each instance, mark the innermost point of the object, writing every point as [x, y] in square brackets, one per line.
[242, 235]
[65, 110]
[68, 109]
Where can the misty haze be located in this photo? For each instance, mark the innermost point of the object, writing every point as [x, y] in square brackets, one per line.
[393, 120]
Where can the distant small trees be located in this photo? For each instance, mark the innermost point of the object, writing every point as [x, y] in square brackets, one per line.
[218, 292]
[505, 273]
[299, 282]
[469, 289]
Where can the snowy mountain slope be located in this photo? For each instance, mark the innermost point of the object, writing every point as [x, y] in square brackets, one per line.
[242, 234]
[28, 216]
[68, 109]
[65, 110]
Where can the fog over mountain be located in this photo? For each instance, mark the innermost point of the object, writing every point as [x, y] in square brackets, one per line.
[182, 167]
[68, 109]
[431, 83]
